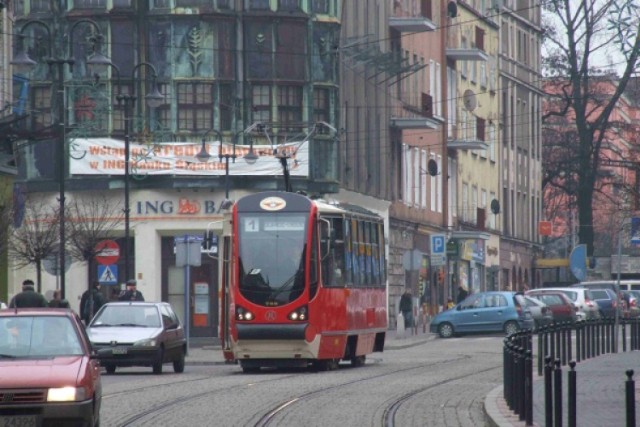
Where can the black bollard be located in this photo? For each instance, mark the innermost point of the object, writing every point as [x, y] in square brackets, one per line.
[540, 349]
[572, 394]
[552, 340]
[563, 343]
[528, 388]
[598, 335]
[630, 394]
[624, 335]
[583, 346]
[548, 392]
[520, 383]
[589, 327]
[578, 327]
[557, 394]
[505, 370]
[569, 340]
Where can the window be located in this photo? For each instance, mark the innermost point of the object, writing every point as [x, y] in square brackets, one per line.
[321, 105]
[41, 113]
[40, 5]
[195, 106]
[163, 112]
[89, 3]
[225, 106]
[288, 5]
[290, 106]
[320, 6]
[187, 3]
[259, 4]
[261, 103]
[118, 106]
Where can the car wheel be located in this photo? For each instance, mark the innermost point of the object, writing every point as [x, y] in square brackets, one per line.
[445, 330]
[511, 328]
[157, 365]
[178, 364]
[110, 369]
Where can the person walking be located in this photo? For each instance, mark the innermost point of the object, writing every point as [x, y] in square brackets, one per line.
[132, 293]
[90, 302]
[406, 308]
[57, 301]
[28, 297]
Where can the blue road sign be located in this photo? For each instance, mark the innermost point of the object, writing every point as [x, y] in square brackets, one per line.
[438, 243]
[108, 274]
[635, 231]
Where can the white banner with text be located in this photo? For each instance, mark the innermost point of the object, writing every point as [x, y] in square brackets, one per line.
[106, 156]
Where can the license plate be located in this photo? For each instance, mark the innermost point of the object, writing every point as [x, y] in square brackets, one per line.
[18, 421]
[119, 350]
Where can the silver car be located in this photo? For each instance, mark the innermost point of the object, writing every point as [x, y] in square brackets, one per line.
[581, 297]
[541, 313]
[138, 334]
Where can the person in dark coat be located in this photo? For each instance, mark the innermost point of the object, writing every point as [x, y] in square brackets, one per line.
[57, 301]
[28, 297]
[90, 302]
[462, 294]
[406, 308]
[132, 293]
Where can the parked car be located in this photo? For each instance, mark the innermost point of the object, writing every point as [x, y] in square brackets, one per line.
[484, 312]
[580, 297]
[138, 334]
[49, 376]
[624, 285]
[561, 307]
[607, 302]
[631, 307]
[541, 313]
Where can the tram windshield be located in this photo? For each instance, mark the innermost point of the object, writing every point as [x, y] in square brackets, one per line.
[271, 248]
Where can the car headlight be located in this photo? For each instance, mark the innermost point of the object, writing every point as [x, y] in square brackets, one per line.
[147, 342]
[66, 394]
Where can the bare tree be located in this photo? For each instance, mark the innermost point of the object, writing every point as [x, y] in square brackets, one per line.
[91, 219]
[37, 237]
[576, 34]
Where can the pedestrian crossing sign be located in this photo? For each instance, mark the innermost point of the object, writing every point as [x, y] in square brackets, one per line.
[108, 274]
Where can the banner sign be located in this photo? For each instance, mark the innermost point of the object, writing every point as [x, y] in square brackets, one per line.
[105, 156]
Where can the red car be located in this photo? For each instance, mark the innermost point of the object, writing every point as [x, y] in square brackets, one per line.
[49, 375]
[560, 305]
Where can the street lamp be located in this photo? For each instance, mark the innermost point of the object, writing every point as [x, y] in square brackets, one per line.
[22, 59]
[154, 99]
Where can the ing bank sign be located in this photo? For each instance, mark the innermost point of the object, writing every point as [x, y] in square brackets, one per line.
[183, 206]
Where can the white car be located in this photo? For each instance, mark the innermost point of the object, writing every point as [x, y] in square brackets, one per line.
[581, 298]
[3, 305]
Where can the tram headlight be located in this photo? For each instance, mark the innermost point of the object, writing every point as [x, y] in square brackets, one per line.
[243, 314]
[298, 315]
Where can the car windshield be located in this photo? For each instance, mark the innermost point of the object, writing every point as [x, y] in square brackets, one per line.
[599, 294]
[38, 337]
[127, 315]
[551, 299]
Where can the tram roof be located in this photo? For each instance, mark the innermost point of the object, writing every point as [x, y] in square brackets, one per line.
[342, 208]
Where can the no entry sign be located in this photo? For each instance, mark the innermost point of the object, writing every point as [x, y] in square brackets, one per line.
[107, 252]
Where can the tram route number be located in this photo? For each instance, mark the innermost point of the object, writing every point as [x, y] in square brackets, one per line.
[252, 224]
[18, 421]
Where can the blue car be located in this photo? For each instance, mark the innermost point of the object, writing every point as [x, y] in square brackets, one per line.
[484, 312]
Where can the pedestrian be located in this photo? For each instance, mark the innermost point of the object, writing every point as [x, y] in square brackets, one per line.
[57, 301]
[28, 297]
[90, 302]
[132, 293]
[406, 308]
[462, 294]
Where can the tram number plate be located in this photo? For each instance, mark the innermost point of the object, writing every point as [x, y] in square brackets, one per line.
[18, 421]
[119, 350]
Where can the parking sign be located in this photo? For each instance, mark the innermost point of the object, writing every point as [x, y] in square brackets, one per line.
[438, 250]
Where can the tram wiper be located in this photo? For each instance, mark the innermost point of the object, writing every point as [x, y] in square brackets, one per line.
[284, 287]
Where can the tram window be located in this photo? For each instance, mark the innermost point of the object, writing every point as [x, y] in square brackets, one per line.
[355, 253]
[348, 250]
[368, 266]
[383, 263]
[362, 252]
[313, 265]
[375, 267]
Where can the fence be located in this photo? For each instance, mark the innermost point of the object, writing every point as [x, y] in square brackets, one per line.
[557, 344]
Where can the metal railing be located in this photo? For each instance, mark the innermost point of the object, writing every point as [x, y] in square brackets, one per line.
[557, 344]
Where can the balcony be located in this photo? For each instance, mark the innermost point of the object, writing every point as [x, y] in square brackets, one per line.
[466, 54]
[477, 142]
[410, 117]
[411, 24]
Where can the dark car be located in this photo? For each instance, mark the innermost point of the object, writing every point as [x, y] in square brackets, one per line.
[607, 302]
[136, 333]
[631, 308]
[48, 374]
[484, 312]
[560, 305]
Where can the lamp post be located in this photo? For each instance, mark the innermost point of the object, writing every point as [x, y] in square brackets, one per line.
[154, 99]
[22, 59]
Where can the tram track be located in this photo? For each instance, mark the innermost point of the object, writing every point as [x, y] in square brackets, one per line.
[270, 418]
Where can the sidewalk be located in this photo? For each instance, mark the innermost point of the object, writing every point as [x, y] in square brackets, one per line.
[600, 397]
[207, 351]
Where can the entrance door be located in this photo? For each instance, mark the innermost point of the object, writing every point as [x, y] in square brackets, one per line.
[203, 309]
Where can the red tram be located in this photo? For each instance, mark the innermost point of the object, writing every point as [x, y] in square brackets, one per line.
[304, 283]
